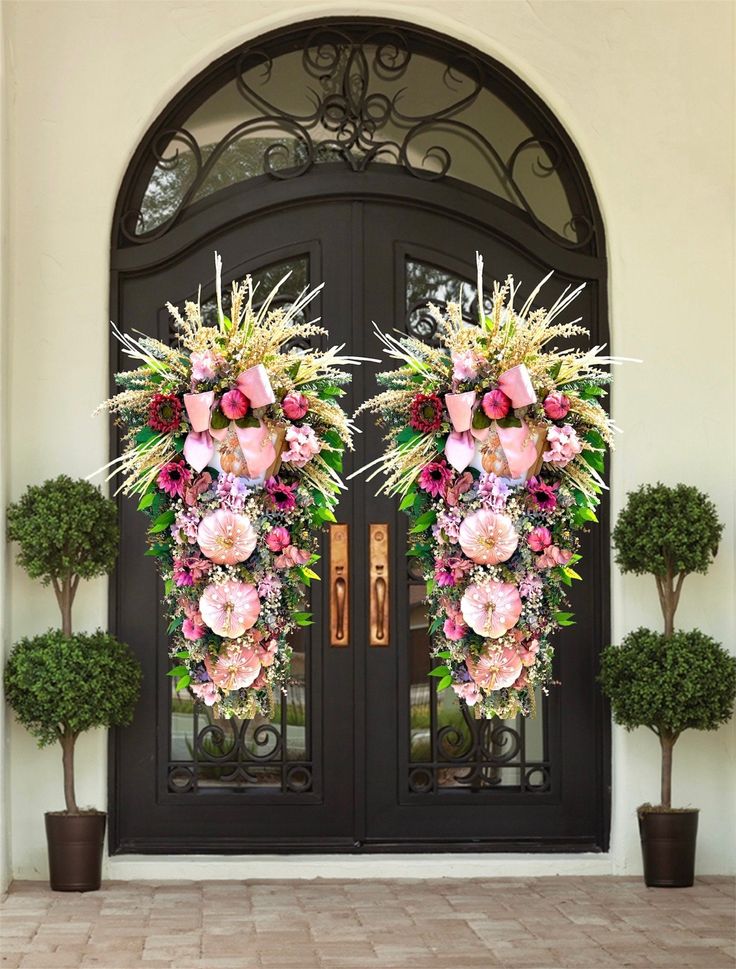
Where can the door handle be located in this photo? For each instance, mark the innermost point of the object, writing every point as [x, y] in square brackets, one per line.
[339, 586]
[379, 570]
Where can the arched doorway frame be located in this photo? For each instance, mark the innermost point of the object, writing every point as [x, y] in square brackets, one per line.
[333, 180]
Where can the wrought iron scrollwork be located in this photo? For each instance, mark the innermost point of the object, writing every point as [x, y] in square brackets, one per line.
[355, 114]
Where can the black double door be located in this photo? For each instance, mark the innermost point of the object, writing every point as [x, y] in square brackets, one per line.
[363, 754]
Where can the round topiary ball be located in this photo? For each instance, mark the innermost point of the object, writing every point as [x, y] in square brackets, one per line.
[55, 683]
[671, 683]
[665, 529]
[64, 528]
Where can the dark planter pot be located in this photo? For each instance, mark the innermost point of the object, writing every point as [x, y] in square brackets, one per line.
[668, 847]
[75, 851]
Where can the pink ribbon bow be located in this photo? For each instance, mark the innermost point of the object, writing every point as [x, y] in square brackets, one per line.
[517, 385]
[255, 442]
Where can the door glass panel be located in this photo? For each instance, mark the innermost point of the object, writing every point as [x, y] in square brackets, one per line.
[208, 754]
[449, 750]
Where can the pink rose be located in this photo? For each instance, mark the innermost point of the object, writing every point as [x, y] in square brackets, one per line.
[539, 539]
[553, 556]
[556, 405]
[234, 404]
[278, 538]
[295, 406]
[496, 404]
[193, 629]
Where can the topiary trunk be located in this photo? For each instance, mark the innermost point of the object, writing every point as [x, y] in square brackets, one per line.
[67, 740]
[667, 743]
[669, 597]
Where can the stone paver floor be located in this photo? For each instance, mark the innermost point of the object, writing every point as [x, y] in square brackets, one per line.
[515, 923]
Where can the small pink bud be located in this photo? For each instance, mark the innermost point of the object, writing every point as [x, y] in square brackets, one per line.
[234, 404]
[496, 404]
[278, 538]
[295, 406]
[556, 405]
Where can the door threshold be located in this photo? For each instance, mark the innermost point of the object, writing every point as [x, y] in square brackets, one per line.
[364, 866]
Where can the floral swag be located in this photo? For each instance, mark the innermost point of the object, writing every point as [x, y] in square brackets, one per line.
[234, 442]
[495, 445]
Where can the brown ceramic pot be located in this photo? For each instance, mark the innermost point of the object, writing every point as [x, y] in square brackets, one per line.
[668, 847]
[75, 844]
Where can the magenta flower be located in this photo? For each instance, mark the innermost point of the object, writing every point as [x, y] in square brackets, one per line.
[451, 570]
[295, 406]
[425, 413]
[556, 405]
[434, 478]
[454, 630]
[282, 495]
[539, 539]
[541, 494]
[234, 404]
[188, 571]
[173, 478]
[562, 445]
[192, 629]
[278, 538]
[496, 404]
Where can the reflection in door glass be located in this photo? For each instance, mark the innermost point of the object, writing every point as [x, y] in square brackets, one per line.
[426, 283]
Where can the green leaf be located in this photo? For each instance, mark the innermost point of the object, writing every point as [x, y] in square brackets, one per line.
[177, 671]
[333, 459]
[408, 436]
[424, 521]
[248, 421]
[175, 624]
[480, 420]
[169, 586]
[439, 671]
[323, 515]
[218, 420]
[594, 459]
[333, 438]
[183, 682]
[306, 574]
[509, 421]
[430, 586]
[408, 500]
[444, 654]
[146, 434]
[146, 501]
[327, 391]
[182, 654]
[585, 515]
[555, 370]
[294, 369]
[593, 437]
[303, 618]
[164, 520]
[444, 683]
[564, 618]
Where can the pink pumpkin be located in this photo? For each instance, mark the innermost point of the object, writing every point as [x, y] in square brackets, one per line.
[226, 538]
[491, 608]
[230, 607]
[495, 668]
[488, 538]
[235, 668]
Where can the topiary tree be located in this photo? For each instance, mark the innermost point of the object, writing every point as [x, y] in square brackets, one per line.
[669, 683]
[67, 530]
[668, 532]
[60, 685]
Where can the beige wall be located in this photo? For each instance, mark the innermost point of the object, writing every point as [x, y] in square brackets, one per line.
[645, 89]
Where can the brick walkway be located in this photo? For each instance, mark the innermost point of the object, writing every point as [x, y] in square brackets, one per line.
[519, 923]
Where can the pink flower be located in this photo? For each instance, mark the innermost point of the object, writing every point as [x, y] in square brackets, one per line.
[539, 539]
[192, 629]
[234, 404]
[496, 404]
[188, 571]
[522, 680]
[449, 571]
[464, 365]
[278, 538]
[269, 585]
[454, 630]
[173, 478]
[164, 413]
[530, 585]
[207, 692]
[491, 608]
[542, 495]
[295, 406]
[229, 608]
[463, 484]
[205, 365]
[562, 445]
[468, 692]
[281, 495]
[267, 654]
[291, 557]
[434, 478]
[556, 405]
[235, 668]
[553, 556]
[303, 444]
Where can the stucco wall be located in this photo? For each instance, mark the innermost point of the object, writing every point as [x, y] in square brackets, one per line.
[645, 89]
